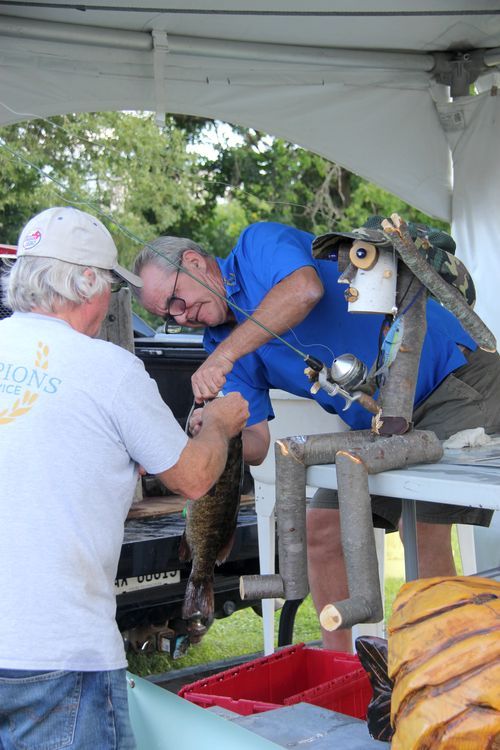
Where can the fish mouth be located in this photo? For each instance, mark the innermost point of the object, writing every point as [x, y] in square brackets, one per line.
[197, 626]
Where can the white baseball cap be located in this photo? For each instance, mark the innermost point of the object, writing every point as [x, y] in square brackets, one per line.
[66, 233]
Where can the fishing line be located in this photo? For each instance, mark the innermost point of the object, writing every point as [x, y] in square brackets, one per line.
[414, 299]
[169, 171]
[188, 419]
[138, 240]
[310, 346]
[384, 359]
[292, 332]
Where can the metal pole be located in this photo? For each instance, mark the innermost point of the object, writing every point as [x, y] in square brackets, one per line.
[409, 518]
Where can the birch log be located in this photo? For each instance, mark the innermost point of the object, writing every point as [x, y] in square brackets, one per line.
[397, 233]
[358, 542]
[398, 392]
[293, 456]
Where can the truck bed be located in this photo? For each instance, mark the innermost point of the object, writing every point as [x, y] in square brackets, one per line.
[151, 539]
[151, 580]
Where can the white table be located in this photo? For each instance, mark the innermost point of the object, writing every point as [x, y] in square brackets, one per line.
[468, 477]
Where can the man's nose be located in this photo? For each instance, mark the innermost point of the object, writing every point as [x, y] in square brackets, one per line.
[183, 318]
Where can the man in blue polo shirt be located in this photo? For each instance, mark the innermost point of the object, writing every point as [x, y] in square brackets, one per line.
[272, 276]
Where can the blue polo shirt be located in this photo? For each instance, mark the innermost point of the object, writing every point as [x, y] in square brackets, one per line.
[265, 254]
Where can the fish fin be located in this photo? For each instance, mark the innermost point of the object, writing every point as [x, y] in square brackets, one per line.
[224, 553]
[184, 549]
[199, 598]
[226, 549]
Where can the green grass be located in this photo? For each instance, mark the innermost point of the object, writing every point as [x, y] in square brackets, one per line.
[241, 633]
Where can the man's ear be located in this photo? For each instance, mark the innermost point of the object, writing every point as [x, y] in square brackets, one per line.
[193, 260]
[90, 276]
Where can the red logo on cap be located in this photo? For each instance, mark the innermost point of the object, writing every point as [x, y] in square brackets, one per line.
[32, 239]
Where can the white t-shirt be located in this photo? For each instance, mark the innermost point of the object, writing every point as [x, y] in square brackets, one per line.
[76, 417]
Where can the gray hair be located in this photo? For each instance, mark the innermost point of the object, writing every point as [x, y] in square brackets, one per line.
[49, 284]
[165, 253]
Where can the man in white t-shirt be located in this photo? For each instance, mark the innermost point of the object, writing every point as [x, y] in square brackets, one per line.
[78, 416]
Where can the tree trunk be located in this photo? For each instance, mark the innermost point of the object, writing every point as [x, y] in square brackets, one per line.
[398, 392]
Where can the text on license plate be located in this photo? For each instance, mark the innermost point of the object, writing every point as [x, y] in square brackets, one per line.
[137, 583]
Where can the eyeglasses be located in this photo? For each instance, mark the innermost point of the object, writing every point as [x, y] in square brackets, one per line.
[117, 285]
[175, 306]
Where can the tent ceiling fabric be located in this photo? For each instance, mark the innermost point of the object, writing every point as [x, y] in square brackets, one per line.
[355, 85]
[404, 24]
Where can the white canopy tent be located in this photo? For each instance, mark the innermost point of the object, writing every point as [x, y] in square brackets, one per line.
[367, 87]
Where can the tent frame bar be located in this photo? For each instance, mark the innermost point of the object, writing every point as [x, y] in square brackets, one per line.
[65, 33]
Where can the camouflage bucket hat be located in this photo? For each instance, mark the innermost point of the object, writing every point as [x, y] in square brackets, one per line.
[437, 246]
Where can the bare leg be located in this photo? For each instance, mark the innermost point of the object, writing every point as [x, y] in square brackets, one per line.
[435, 554]
[327, 576]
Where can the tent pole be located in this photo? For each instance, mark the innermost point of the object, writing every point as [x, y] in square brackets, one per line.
[216, 48]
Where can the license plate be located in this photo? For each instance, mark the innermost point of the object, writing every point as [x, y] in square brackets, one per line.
[138, 583]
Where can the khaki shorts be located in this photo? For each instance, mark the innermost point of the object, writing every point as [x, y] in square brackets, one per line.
[469, 397]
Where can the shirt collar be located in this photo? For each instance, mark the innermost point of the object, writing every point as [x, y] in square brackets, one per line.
[40, 316]
[227, 269]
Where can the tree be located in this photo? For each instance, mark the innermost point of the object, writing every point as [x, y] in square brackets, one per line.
[261, 178]
[110, 163]
[191, 177]
[156, 180]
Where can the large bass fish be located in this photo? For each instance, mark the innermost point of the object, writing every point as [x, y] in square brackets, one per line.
[209, 535]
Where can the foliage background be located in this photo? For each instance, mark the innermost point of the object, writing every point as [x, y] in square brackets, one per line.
[190, 177]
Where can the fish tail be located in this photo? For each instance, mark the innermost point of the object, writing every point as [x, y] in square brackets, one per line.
[199, 598]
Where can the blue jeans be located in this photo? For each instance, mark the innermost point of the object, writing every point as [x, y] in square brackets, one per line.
[55, 710]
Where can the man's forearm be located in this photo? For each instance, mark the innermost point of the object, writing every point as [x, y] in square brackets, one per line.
[200, 464]
[204, 457]
[286, 305]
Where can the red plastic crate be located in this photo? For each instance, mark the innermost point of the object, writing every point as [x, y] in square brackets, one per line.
[330, 679]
